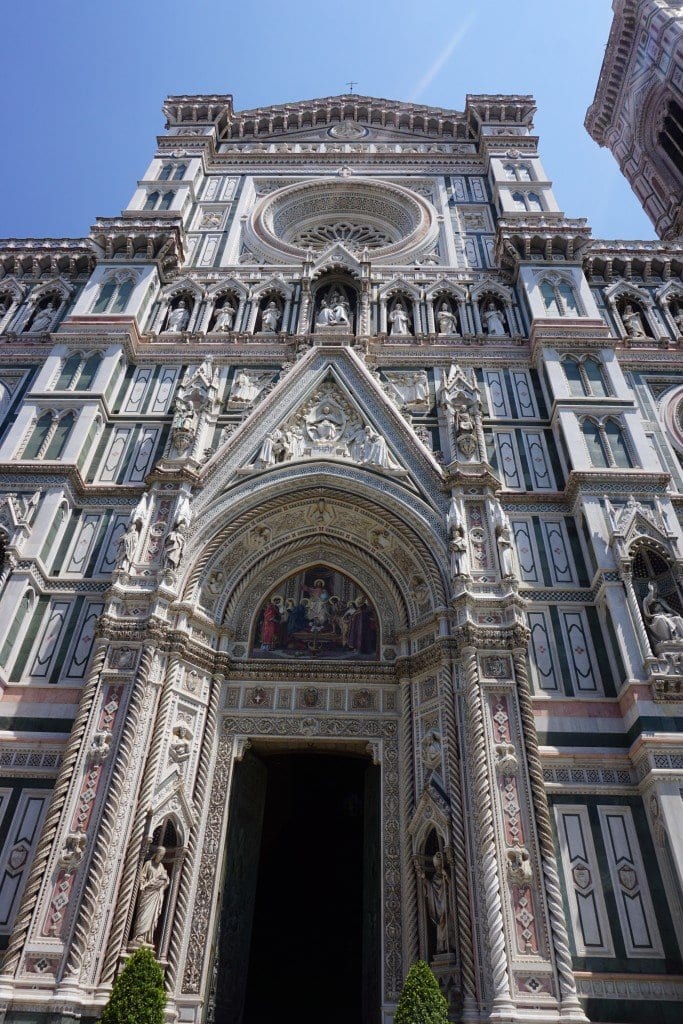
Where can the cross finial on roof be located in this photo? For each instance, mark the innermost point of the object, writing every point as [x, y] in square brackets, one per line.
[351, 85]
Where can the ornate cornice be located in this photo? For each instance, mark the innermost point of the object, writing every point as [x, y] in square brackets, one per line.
[618, 51]
[154, 238]
[35, 258]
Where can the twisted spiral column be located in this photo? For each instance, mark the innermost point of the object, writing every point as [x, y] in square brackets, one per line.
[498, 965]
[199, 795]
[123, 906]
[408, 803]
[568, 994]
[459, 849]
[66, 780]
[116, 792]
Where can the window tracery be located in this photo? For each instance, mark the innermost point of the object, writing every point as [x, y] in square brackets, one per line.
[559, 297]
[606, 443]
[586, 377]
[114, 294]
[354, 236]
[48, 437]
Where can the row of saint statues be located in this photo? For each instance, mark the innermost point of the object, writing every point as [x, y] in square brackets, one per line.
[335, 311]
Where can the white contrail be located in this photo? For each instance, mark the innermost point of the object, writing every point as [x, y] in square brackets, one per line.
[443, 57]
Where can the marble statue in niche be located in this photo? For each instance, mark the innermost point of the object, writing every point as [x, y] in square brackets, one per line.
[493, 321]
[178, 318]
[174, 545]
[447, 321]
[399, 320]
[633, 322]
[678, 319]
[154, 882]
[270, 318]
[457, 542]
[225, 317]
[44, 319]
[319, 613]
[436, 887]
[335, 310]
[664, 622]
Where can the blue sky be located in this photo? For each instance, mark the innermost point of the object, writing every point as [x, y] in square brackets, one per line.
[84, 81]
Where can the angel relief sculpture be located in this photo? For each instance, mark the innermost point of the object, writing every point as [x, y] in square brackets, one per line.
[319, 613]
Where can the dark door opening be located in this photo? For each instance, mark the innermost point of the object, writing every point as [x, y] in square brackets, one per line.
[312, 927]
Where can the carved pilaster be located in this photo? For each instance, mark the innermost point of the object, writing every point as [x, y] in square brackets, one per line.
[63, 786]
[411, 939]
[181, 915]
[569, 1001]
[111, 826]
[123, 907]
[459, 851]
[495, 929]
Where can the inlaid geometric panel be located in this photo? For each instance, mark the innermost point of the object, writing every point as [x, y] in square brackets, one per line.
[17, 854]
[542, 477]
[629, 882]
[527, 555]
[590, 921]
[508, 459]
[544, 668]
[580, 652]
[558, 552]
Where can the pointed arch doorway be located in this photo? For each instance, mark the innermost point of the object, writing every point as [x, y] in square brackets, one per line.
[299, 930]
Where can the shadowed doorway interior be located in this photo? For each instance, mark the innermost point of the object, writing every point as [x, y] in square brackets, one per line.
[310, 914]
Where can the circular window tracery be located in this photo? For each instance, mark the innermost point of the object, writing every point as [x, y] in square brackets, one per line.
[354, 236]
[392, 221]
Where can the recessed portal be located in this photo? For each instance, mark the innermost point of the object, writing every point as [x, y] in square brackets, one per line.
[313, 905]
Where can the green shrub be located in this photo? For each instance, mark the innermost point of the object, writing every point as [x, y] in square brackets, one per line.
[422, 1001]
[138, 995]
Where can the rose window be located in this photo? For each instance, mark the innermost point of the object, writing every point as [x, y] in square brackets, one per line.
[395, 223]
[354, 236]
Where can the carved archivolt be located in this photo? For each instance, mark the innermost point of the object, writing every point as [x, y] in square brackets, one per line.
[251, 552]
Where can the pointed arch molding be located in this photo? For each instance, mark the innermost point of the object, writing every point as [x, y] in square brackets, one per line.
[251, 539]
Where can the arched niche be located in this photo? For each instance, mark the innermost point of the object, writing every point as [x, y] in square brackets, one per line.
[317, 612]
[335, 304]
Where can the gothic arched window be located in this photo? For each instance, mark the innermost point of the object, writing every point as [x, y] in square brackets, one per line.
[68, 372]
[606, 443]
[595, 378]
[123, 294]
[166, 172]
[38, 436]
[559, 297]
[60, 436]
[179, 172]
[671, 134]
[151, 201]
[568, 298]
[166, 201]
[552, 306]
[617, 445]
[105, 297]
[595, 445]
[114, 296]
[87, 372]
[534, 202]
[518, 200]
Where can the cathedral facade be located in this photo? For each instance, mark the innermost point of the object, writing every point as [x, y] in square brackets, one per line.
[341, 582]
